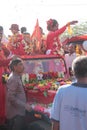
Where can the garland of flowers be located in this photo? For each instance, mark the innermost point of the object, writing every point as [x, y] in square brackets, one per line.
[49, 81]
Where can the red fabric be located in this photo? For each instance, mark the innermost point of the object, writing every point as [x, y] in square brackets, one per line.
[78, 38]
[36, 96]
[2, 98]
[16, 47]
[53, 37]
[41, 56]
[19, 50]
[3, 65]
[6, 51]
[75, 39]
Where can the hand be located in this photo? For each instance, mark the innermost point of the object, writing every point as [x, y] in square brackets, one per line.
[72, 23]
[28, 107]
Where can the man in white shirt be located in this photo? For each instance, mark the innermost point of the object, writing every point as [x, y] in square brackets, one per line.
[69, 110]
[69, 57]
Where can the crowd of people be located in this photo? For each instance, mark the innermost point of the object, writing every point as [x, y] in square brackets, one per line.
[21, 42]
[64, 106]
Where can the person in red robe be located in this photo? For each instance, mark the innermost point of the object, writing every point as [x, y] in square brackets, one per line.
[15, 41]
[4, 54]
[53, 42]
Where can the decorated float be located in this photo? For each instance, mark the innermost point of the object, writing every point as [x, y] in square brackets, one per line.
[42, 76]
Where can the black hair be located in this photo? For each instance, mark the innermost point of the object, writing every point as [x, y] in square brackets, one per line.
[73, 44]
[14, 62]
[23, 29]
[1, 28]
[52, 24]
[79, 66]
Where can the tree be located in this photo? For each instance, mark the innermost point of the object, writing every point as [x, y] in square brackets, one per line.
[79, 29]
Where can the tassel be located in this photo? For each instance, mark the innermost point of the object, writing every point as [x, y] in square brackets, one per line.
[69, 30]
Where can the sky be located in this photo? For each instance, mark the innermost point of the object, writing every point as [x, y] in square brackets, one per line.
[26, 12]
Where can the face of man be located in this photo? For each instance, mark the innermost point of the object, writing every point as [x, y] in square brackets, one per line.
[19, 68]
[71, 48]
[55, 27]
[14, 31]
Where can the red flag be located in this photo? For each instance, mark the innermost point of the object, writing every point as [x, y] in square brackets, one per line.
[36, 36]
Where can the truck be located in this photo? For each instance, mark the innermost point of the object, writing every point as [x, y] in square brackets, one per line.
[43, 74]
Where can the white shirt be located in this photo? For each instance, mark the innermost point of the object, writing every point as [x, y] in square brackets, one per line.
[70, 108]
[69, 59]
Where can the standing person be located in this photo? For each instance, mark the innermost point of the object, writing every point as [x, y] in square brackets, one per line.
[15, 97]
[69, 110]
[69, 57]
[4, 51]
[65, 48]
[27, 43]
[4, 54]
[53, 41]
[3, 38]
[15, 41]
[43, 42]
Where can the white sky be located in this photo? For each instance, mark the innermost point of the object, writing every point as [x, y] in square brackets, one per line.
[26, 12]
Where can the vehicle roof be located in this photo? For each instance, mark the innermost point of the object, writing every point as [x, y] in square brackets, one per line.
[40, 56]
[77, 39]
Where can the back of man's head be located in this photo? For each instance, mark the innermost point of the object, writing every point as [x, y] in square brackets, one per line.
[79, 66]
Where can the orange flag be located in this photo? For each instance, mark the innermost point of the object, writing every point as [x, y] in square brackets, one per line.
[36, 36]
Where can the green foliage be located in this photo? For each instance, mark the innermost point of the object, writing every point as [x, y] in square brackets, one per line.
[78, 29]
